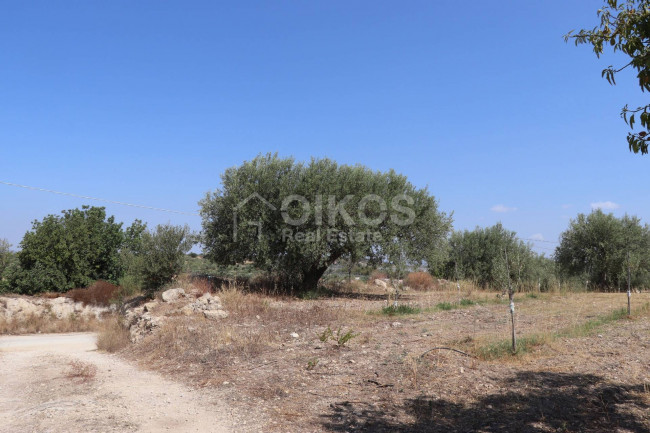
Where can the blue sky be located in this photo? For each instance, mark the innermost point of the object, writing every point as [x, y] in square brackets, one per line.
[148, 102]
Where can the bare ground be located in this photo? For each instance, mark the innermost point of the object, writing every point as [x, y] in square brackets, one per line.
[382, 380]
[60, 383]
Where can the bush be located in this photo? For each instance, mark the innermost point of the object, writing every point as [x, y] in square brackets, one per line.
[400, 310]
[72, 250]
[160, 256]
[99, 293]
[420, 281]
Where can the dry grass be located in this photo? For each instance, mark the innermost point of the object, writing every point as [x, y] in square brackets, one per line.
[309, 382]
[243, 304]
[377, 275]
[81, 371]
[113, 335]
[99, 293]
[420, 281]
[202, 285]
[35, 323]
[208, 351]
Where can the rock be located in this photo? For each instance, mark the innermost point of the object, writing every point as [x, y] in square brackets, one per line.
[144, 325]
[215, 314]
[381, 283]
[149, 306]
[188, 310]
[396, 324]
[62, 309]
[172, 294]
[205, 298]
[294, 335]
[21, 308]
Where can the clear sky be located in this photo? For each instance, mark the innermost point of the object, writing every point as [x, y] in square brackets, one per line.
[148, 102]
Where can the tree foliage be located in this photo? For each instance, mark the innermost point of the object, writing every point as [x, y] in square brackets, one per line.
[493, 257]
[625, 27]
[153, 257]
[68, 251]
[294, 220]
[599, 247]
[5, 255]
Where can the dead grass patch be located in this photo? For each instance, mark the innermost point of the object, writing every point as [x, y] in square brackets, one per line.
[113, 335]
[81, 371]
[243, 304]
[34, 323]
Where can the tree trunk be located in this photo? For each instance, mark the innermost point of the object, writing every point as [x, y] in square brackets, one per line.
[312, 277]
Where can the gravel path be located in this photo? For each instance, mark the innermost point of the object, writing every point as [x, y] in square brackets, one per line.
[39, 394]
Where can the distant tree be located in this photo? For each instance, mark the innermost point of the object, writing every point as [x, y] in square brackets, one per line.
[68, 251]
[625, 26]
[159, 255]
[479, 255]
[294, 220]
[5, 255]
[599, 248]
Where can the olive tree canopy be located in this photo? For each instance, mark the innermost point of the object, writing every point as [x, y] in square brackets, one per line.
[296, 219]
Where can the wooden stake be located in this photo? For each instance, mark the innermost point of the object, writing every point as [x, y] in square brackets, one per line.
[629, 285]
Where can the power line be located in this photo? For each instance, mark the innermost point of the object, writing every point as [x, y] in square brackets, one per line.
[159, 209]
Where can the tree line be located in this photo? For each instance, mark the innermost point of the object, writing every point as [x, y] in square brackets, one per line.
[81, 246]
[294, 220]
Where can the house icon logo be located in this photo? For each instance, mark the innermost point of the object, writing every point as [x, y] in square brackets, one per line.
[240, 205]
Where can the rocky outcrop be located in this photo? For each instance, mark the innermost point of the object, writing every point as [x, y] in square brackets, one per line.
[22, 307]
[147, 318]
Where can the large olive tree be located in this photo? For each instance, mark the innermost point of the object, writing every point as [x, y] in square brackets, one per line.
[296, 219]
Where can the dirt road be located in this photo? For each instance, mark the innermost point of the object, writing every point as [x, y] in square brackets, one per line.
[40, 393]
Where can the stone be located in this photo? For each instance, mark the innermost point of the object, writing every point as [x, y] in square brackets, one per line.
[215, 314]
[381, 283]
[20, 307]
[172, 294]
[294, 335]
[188, 310]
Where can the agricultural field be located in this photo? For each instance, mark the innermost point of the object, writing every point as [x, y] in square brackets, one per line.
[440, 361]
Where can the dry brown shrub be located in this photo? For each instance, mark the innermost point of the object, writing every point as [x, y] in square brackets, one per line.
[35, 323]
[99, 293]
[82, 371]
[420, 281]
[377, 275]
[113, 335]
[202, 286]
